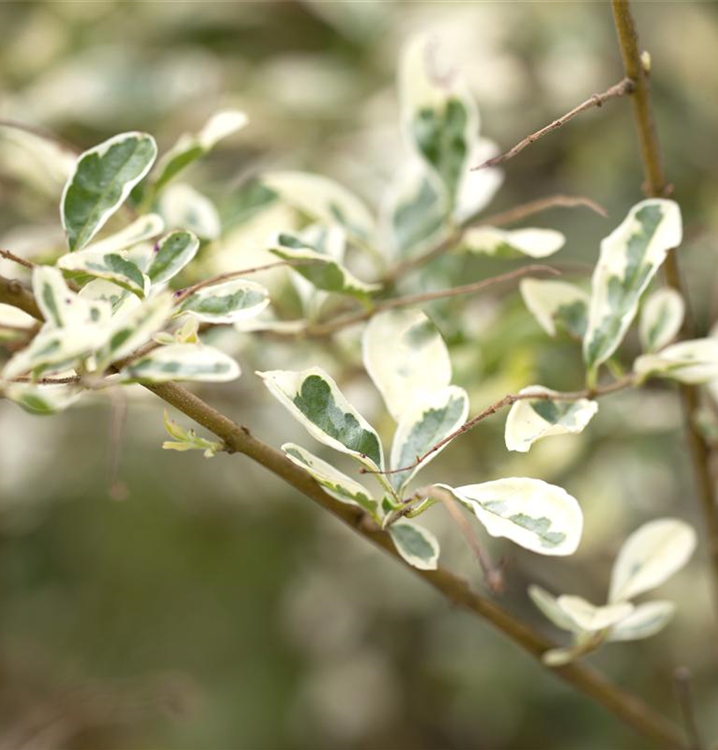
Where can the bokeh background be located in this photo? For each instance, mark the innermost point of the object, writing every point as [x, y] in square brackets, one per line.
[155, 599]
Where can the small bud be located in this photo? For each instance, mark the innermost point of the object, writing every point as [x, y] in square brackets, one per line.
[646, 61]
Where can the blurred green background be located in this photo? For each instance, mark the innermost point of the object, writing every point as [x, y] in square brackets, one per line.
[154, 599]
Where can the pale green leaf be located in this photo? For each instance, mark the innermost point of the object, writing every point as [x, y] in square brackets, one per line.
[556, 304]
[548, 604]
[183, 362]
[534, 243]
[101, 182]
[187, 440]
[316, 402]
[183, 207]
[228, 302]
[645, 620]
[422, 426]
[536, 515]
[530, 420]
[142, 229]
[323, 200]
[417, 546]
[321, 270]
[694, 361]
[591, 618]
[336, 483]
[661, 319]
[630, 257]
[650, 556]
[171, 254]
[406, 358]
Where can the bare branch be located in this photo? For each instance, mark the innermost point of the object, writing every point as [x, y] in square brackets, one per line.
[16, 259]
[619, 89]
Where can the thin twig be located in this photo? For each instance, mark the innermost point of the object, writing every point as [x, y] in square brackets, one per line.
[682, 684]
[619, 89]
[325, 329]
[16, 259]
[493, 574]
[512, 215]
[656, 185]
[508, 400]
[182, 294]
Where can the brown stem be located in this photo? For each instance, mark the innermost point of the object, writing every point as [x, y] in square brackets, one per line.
[326, 329]
[656, 186]
[16, 259]
[626, 706]
[12, 292]
[619, 89]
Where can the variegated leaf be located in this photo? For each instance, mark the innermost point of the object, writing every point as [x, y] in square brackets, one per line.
[548, 604]
[183, 362]
[630, 257]
[42, 399]
[661, 319]
[438, 113]
[694, 361]
[590, 618]
[406, 358]
[418, 546]
[651, 555]
[228, 302]
[424, 425]
[530, 420]
[323, 200]
[336, 483]
[191, 147]
[171, 254]
[536, 515]
[645, 620]
[113, 266]
[477, 187]
[534, 243]
[322, 271]
[102, 180]
[556, 305]
[316, 402]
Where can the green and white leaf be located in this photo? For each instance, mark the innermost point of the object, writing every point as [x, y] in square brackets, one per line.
[556, 305]
[228, 302]
[418, 546]
[322, 199]
[322, 271]
[536, 515]
[131, 327]
[55, 349]
[500, 243]
[172, 253]
[113, 266]
[694, 361]
[645, 620]
[183, 207]
[406, 358]
[187, 440]
[439, 115]
[101, 182]
[42, 399]
[190, 147]
[336, 483]
[424, 425]
[530, 420]
[316, 402]
[651, 555]
[661, 319]
[548, 604]
[183, 362]
[477, 187]
[590, 618]
[142, 229]
[630, 257]
[58, 304]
